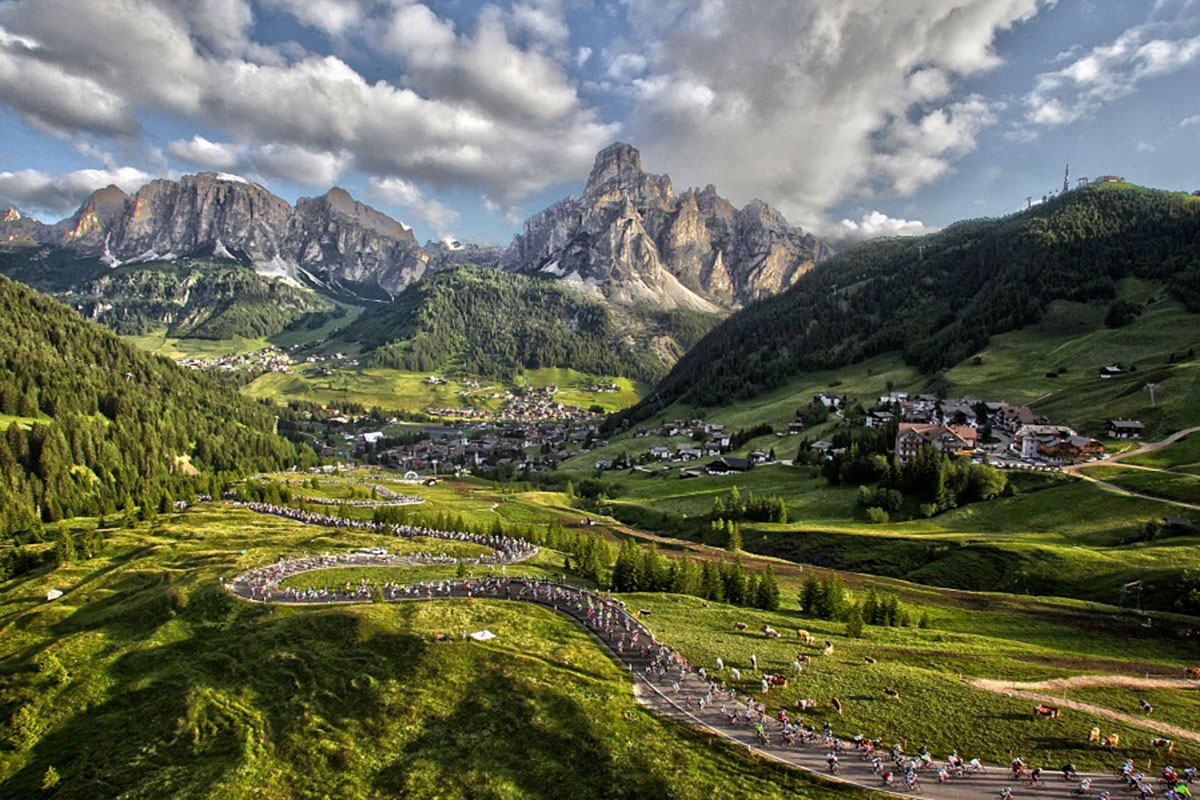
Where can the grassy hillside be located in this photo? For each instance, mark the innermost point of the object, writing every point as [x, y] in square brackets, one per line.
[97, 424]
[193, 298]
[937, 299]
[395, 389]
[490, 323]
[146, 680]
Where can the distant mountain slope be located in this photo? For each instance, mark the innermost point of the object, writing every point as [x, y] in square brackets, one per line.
[486, 322]
[938, 298]
[105, 422]
[197, 298]
[332, 242]
[631, 239]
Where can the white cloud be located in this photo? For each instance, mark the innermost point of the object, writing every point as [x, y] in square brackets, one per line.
[1106, 73]
[477, 108]
[582, 56]
[804, 104]
[624, 66]
[406, 195]
[299, 164]
[873, 225]
[1190, 121]
[34, 190]
[334, 17]
[203, 153]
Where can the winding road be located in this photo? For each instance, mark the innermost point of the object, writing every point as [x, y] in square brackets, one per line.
[1080, 470]
[674, 691]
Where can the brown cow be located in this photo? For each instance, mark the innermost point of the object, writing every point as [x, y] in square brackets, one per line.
[1191, 672]
[804, 636]
[837, 705]
[1159, 744]
[868, 660]
[807, 704]
[803, 659]
[892, 694]
[739, 626]
[1043, 710]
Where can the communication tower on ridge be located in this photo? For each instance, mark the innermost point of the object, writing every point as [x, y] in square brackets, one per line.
[1067, 179]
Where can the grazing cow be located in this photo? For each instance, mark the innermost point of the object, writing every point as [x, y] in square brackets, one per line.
[1043, 710]
[770, 632]
[1112, 741]
[891, 694]
[1094, 736]
[797, 667]
[1162, 744]
[828, 647]
[739, 626]
[1191, 672]
[807, 704]
[736, 673]
[837, 705]
[720, 664]
[803, 659]
[804, 636]
[868, 660]
[1149, 709]
[754, 661]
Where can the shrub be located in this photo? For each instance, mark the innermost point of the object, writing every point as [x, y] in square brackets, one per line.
[877, 515]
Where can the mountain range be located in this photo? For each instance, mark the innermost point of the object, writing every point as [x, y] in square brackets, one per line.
[629, 238]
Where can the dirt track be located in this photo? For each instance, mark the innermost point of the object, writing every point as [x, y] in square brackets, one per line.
[1029, 691]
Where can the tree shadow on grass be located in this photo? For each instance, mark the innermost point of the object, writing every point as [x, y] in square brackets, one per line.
[533, 737]
[180, 717]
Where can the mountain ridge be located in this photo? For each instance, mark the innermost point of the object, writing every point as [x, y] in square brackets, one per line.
[627, 239]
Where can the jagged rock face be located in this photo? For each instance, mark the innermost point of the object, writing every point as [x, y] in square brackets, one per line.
[631, 239]
[332, 239]
[336, 238]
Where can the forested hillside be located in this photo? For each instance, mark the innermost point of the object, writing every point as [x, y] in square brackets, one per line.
[491, 323]
[938, 298]
[196, 298]
[94, 425]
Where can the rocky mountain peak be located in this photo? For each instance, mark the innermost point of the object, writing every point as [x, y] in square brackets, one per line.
[631, 239]
[618, 160]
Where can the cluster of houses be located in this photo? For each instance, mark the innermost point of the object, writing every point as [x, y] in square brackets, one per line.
[268, 359]
[538, 447]
[1022, 437]
[708, 440]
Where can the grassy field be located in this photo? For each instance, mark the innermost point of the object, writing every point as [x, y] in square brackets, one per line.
[146, 680]
[1174, 706]
[1179, 486]
[1072, 342]
[397, 389]
[937, 708]
[1183, 453]
[158, 342]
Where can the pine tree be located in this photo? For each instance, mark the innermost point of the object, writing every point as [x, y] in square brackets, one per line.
[768, 590]
[64, 547]
[711, 585]
[733, 533]
[854, 622]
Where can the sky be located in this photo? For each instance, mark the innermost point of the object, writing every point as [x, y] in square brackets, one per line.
[855, 118]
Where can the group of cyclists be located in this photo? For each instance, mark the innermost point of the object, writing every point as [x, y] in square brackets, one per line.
[695, 691]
